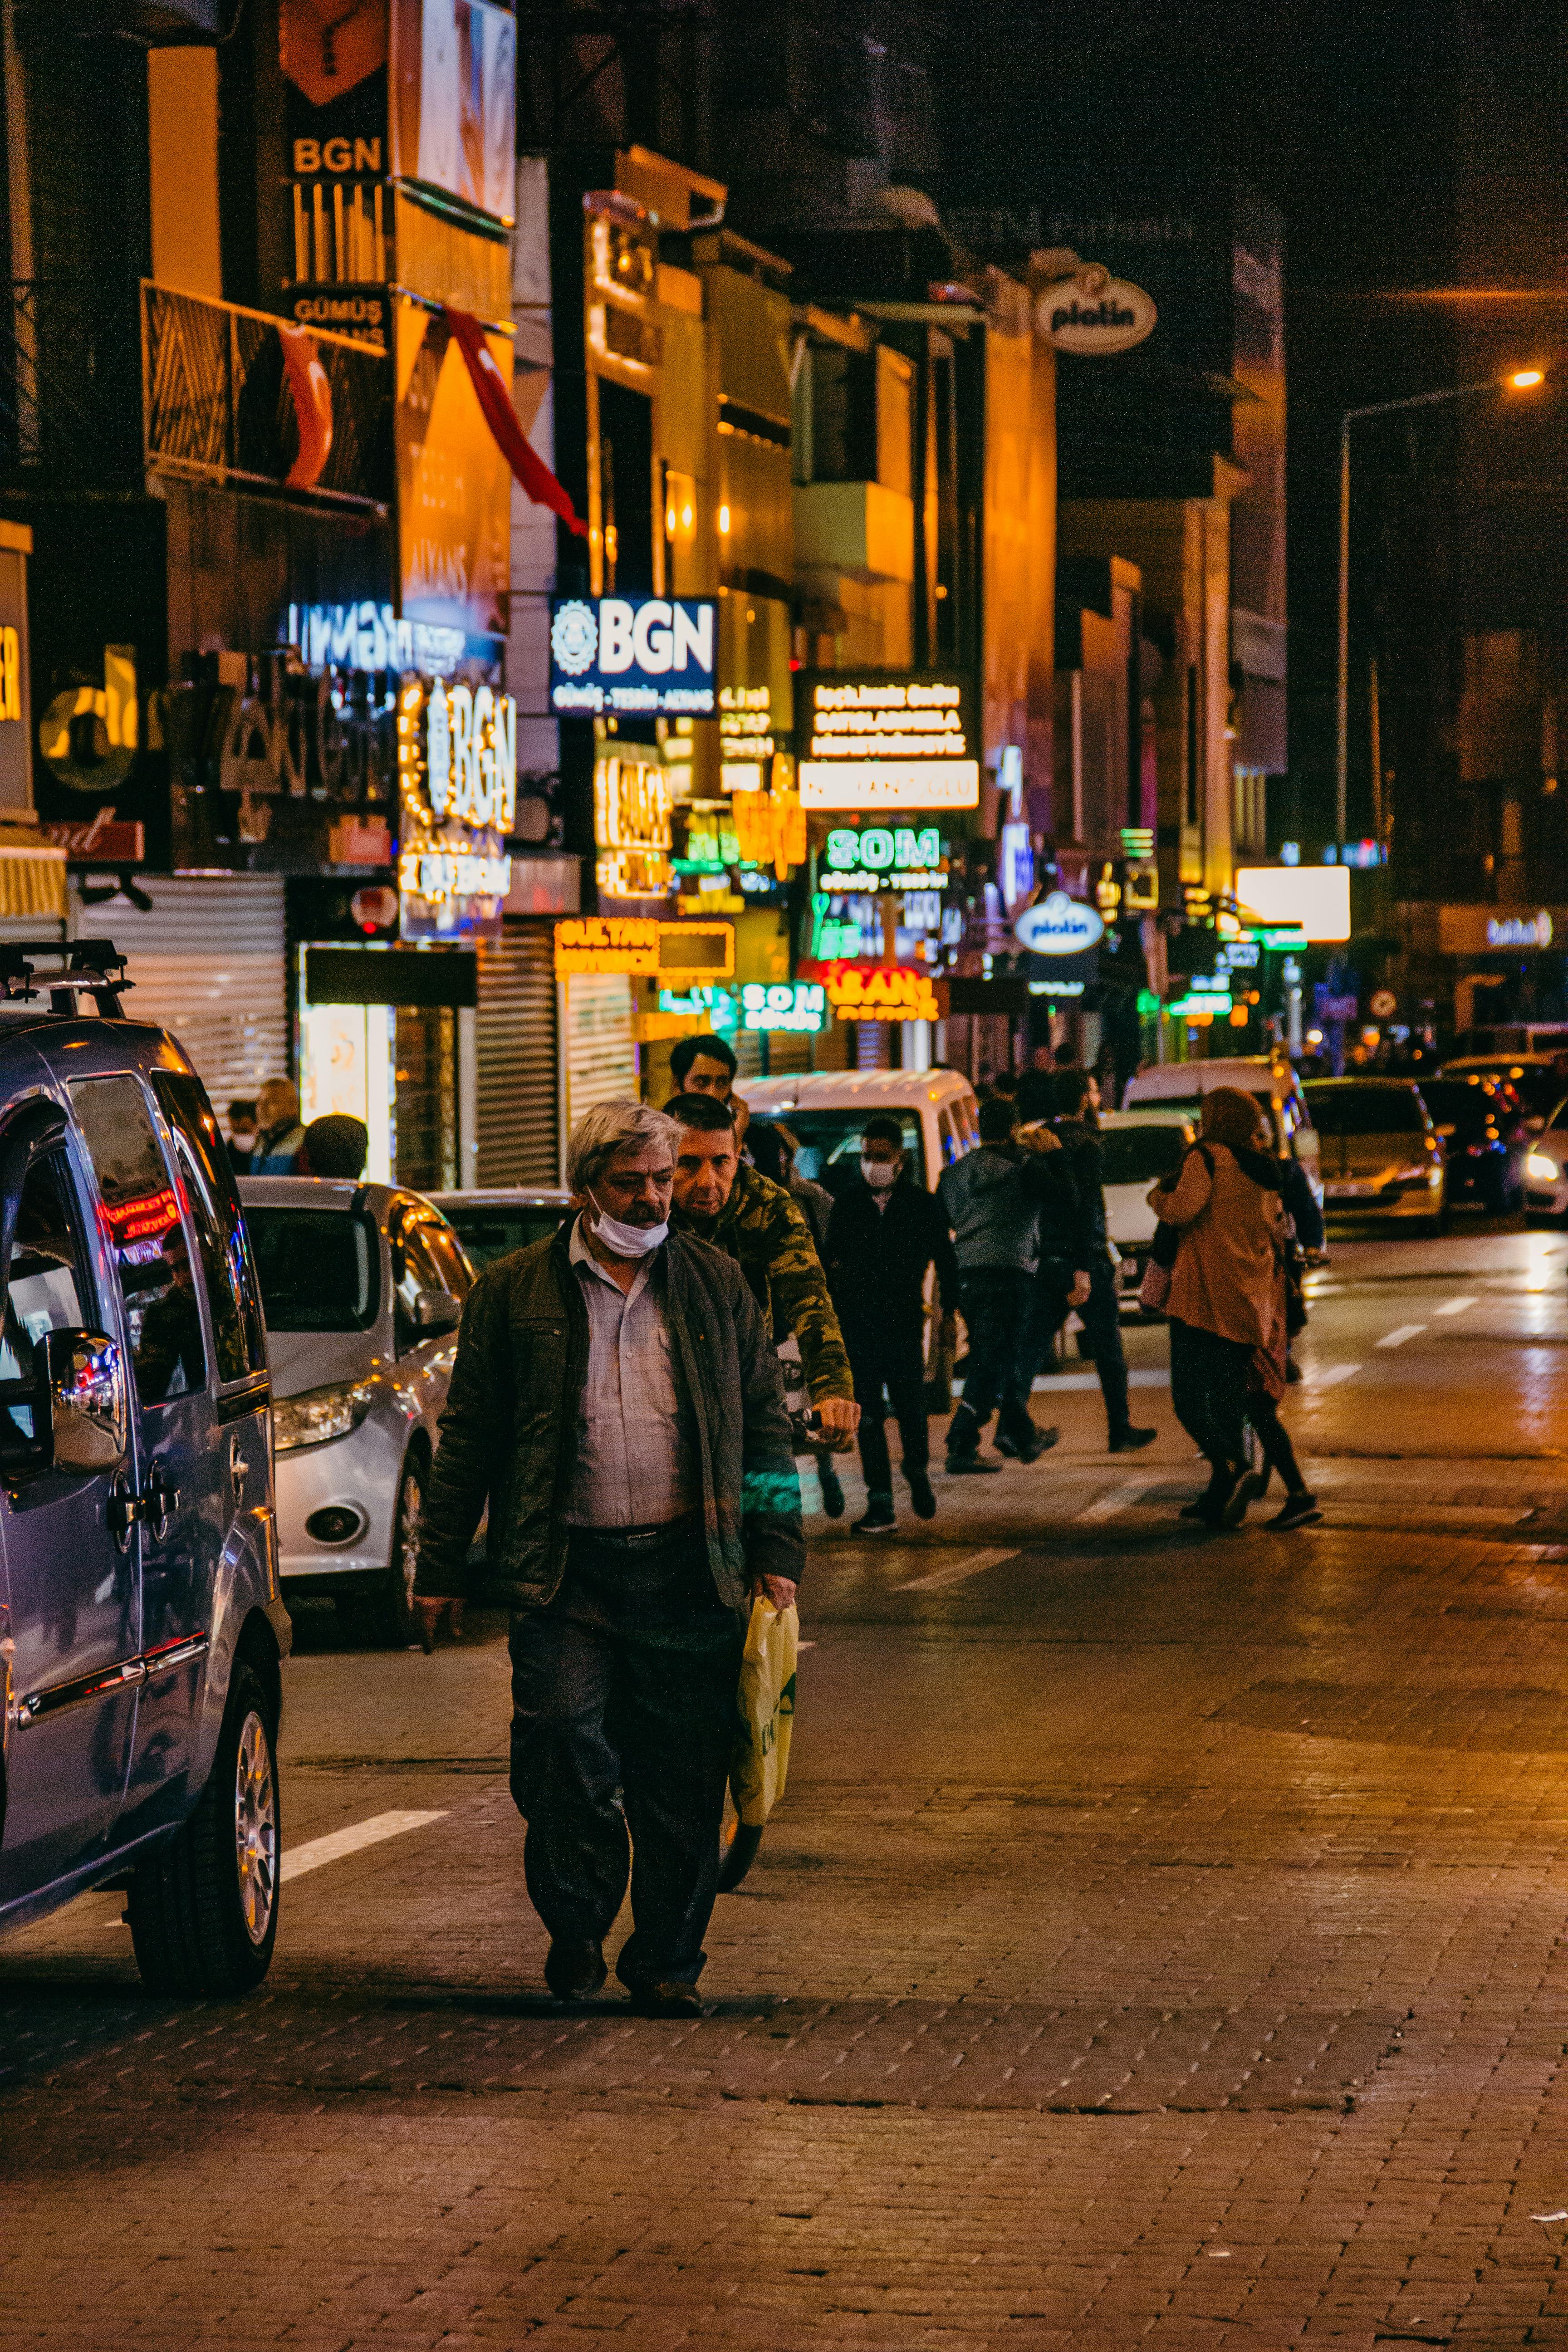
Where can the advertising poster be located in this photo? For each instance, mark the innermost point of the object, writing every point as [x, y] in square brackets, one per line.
[453, 484]
[455, 100]
[335, 74]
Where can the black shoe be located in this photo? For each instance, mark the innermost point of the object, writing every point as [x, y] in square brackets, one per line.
[1030, 1449]
[970, 1465]
[1132, 1440]
[879, 1520]
[832, 1492]
[921, 1495]
[666, 2001]
[574, 1968]
[1202, 1509]
[1299, 1511]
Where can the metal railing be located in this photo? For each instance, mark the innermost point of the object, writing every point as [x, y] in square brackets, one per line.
[58, 406]
[216, 404]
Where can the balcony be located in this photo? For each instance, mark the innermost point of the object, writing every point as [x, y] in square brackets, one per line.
[218, 406]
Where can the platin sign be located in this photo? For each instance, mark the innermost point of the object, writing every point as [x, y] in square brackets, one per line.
[881, 993]
[1095, 314]
[646, 656]
[884, 857]
[877, 742]
[1058, 926]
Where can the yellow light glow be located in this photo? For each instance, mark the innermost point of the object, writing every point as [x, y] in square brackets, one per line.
[1526, 379]
[724, 522]
[1318, 897]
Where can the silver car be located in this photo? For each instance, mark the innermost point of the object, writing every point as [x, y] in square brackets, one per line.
[363, 1288]
[494, 1219]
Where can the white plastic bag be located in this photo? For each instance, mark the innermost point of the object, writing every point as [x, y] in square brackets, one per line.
[764, 1701]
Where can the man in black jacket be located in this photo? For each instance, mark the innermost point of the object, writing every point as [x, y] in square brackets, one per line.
[616, 1402]
[1077, 1131]
[884, 1231]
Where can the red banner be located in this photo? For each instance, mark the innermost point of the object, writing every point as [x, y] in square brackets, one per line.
[495, 401]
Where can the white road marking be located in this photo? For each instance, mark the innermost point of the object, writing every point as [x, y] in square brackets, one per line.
[1329, 1376]
[1455, 1306]
[1119, 1497]
[1397, 1338]
[806, 1645]
[315, 1852]
[1059, 1382]
[956, 1570]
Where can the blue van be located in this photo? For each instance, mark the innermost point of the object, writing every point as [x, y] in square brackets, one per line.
[141, 1631]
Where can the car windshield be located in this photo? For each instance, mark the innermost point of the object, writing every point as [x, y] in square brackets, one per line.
[318, 1268]
[830, 1142]
[1141, 1155]
[491, 1229]
[1365, 1110]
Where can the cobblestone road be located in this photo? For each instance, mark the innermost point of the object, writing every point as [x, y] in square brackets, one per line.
[1161, 1944]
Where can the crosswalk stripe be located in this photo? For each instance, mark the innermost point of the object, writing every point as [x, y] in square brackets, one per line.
[1397, 1338]
[956, 1570]
[338, 1843]
[1455, 1306]
[1329, 1376]
[1119, 1497]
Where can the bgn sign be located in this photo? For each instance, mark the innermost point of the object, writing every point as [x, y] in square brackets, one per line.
[650, 655]
[1095, 314]
[1058, 926]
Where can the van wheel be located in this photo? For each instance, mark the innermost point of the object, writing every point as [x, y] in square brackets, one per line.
[202, 1908]
[397, 1610]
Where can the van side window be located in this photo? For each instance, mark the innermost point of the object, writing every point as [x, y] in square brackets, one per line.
[50, 1288]
[157, 1279]
[232, 1286]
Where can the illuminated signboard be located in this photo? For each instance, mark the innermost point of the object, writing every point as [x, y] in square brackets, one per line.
[1317, 898]
[884, 857]
[755, 829]
[763, 1007]
[1058, 926]
[875, 743]
[456, 765]
[371, 637]
[642, 654]
[881, 993]
[632, 804]
[746, 745]
[644, 947]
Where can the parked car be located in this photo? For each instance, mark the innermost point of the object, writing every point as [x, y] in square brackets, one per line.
[503, 1217]
[1537, 1081]
[363, 1288]
[1139, 1147]
[1181, 1085]
[1484, 1137]
[141, 1629]
[826, 1110]
[1382, 1156]
[1546, 1166]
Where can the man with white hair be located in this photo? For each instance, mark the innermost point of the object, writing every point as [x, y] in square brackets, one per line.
[616, 1402]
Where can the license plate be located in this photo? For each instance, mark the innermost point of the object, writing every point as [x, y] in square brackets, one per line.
[1346, 1191]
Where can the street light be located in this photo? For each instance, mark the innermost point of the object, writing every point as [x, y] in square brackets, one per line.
[1521, 380]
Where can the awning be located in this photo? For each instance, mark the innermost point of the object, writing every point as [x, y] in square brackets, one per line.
[31, 875]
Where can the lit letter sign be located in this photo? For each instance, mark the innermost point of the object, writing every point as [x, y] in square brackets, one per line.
[456, 762]
[884, 857]
[648, 656]
[644, 947]
[877, 742]
[881, 993]
[1058, 926]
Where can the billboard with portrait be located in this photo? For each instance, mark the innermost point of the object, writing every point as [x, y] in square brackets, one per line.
[455, 100]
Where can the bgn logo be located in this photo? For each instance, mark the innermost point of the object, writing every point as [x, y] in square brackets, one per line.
[626, 654]
[312, 155]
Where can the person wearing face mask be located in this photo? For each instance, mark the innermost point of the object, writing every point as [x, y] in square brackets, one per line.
[720, 1200]
[885, 1231]
[617, 1402]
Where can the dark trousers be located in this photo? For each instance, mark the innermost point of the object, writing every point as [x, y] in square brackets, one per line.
[1278, 1451]
[626, 1683]
[1100, 1315]
[996, 1307]
[1208, 1390]
[889, 1376]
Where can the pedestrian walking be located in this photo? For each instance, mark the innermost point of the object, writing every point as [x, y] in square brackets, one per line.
[615, 1400]
[703, 1065]
[1272, 1368]
[772, 1148]
[1224, 1202]
[1078, 1130]
[280, 1137]
[240, 1140]
[886, 1230]
[720, 1200]
[993, 1199]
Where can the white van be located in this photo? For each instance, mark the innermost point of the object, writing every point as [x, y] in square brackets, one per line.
[825, 1110]
[1183, 1085]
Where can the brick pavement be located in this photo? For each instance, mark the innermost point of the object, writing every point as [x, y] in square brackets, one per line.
[1161, 1944]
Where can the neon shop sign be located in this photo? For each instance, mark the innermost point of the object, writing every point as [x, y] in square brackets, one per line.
[884, 857]
[456, 754]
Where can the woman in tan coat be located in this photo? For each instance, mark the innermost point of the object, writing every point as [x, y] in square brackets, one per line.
[1226, 1299]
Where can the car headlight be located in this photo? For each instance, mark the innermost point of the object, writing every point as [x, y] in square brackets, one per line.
[1420, 1173]
[1539, 1165]
[319, 1414]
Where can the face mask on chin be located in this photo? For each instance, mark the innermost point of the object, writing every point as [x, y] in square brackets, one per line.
[880, 1174]
[626, 1240]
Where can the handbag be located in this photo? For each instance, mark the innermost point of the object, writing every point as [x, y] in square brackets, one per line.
[1155, 1287]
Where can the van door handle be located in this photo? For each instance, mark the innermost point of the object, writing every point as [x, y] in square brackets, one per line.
[160, 1501]
[238, 1467]
[125, 1509]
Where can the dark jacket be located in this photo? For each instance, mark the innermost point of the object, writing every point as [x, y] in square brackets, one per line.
[1085, 1158]
[997, 1200]
[762, 1227]
[876, 1258]
[1300, 1204]
[508, 1431]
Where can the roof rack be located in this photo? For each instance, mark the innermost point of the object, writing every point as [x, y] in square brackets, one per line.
[92, 968]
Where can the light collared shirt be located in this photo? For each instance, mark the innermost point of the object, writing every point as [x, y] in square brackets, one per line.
[634, 1464]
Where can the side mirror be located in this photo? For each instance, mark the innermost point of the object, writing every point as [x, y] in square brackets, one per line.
[87, 1401]
[437, 1310]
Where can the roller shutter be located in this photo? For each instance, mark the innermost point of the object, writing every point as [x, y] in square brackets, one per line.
[207, 962]
[601, 1042]
[517, 1122]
